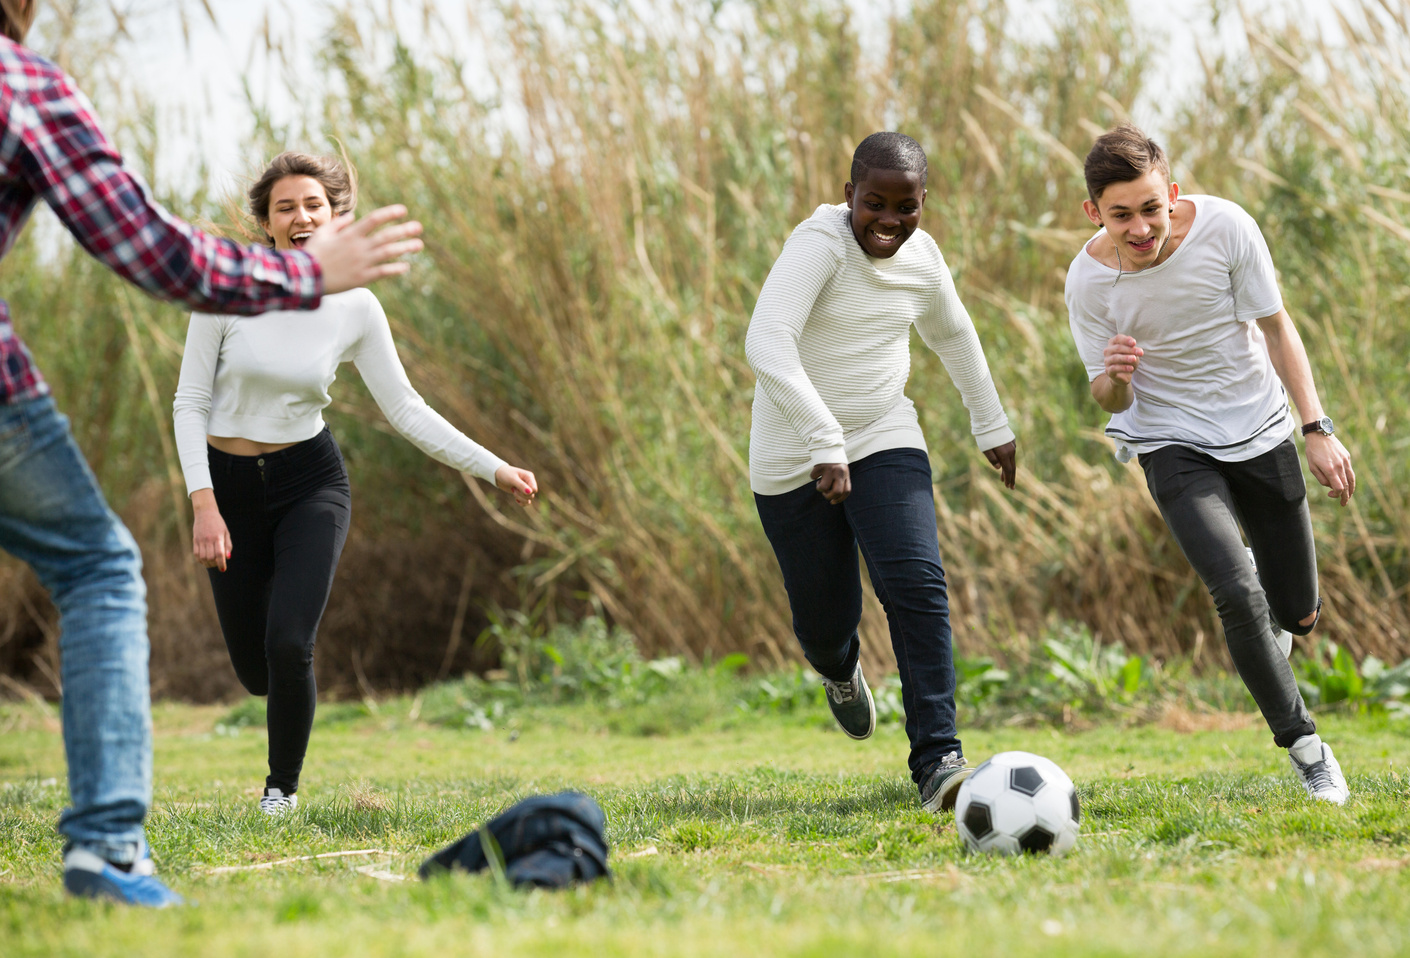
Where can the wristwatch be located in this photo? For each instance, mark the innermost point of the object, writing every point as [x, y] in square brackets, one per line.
[1323, 425]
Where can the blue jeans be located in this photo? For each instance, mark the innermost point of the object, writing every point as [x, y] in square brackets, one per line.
[891, 516]
[53, 516]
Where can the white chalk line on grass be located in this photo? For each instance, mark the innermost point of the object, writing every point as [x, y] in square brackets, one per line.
[379, 872]
[227, 869]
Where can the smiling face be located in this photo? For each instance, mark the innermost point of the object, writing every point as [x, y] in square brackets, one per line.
[885, 209]
[298, 205]
[1136, 214]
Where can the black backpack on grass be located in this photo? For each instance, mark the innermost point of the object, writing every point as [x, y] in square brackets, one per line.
[549, 841]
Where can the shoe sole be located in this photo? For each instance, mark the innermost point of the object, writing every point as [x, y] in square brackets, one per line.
[86, 884]
[944, 798]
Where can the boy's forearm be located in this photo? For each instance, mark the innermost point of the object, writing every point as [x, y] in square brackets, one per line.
[1290, 362]
[1111, 395]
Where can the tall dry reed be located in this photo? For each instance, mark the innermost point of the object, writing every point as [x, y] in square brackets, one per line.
[601, 217]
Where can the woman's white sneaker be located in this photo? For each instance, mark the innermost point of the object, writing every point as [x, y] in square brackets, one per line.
[275, 802]
[1317, 769]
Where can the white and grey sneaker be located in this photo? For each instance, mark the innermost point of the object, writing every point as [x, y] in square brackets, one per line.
[1317, 769]
[1282, 636]
[275, 802]
[852, 704]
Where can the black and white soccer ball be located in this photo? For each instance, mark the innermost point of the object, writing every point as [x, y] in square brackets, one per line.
[1018, 802]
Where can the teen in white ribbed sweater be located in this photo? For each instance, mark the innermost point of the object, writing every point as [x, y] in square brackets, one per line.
[837, 459]
[265, 476]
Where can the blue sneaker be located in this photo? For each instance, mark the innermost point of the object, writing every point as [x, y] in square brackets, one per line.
[86, 875]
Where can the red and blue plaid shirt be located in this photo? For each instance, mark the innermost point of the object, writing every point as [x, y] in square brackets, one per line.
[52, 149]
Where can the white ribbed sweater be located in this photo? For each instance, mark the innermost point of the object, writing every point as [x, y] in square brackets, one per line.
[266, 378]
[830, 345]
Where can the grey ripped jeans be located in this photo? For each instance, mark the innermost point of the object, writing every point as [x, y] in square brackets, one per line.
[1204, 502]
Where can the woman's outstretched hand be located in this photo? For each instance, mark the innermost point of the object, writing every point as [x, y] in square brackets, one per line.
[210, 539]
[520, 482]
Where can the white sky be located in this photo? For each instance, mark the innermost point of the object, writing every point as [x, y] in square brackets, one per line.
[194, 78]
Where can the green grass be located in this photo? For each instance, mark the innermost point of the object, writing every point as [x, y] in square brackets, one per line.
[739, 835]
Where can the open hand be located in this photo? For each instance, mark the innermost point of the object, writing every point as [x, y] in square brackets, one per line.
[1121, 357]
[353, 253]
[1331, 464]
[519, 482]
[834, 481]
[1005, 459]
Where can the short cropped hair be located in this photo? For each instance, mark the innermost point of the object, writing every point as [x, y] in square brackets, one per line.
[1120, 156]
[338, 178]
[888, 151]
[14, 22]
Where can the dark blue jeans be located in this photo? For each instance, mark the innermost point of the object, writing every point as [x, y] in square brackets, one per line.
[891, 516]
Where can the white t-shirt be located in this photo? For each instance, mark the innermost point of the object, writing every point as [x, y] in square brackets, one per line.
[1205, 380]
[830, 345]
[266, 378]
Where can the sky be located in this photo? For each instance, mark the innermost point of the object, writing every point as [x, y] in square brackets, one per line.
[193, 72]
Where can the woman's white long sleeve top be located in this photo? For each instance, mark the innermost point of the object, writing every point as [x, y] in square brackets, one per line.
[266, 378]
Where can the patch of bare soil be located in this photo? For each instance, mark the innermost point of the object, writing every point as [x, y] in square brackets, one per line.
[1177, 717]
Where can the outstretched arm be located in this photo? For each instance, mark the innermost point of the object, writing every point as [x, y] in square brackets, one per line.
[376, 358]
[69, 162]
[1326, 456]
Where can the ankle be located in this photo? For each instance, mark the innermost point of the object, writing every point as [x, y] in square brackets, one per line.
[1307, 749]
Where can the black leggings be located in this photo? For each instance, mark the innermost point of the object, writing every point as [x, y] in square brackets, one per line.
[288, 513]
[1204, 502]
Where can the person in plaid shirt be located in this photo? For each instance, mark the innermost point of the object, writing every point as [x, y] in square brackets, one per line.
[52, 512]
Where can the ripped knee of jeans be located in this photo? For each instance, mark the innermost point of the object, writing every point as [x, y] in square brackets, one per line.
[1297, 628]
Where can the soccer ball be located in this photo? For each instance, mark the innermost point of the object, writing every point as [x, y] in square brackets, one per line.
[1018, 802]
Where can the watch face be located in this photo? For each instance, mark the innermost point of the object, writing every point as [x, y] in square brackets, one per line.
[1326, 423]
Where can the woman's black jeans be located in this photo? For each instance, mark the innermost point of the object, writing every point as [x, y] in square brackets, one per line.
[891, 516]
[1204, 502]
[288, 514]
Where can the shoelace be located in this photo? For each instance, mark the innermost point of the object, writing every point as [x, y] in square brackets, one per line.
[952, 760]
[1317, 775]
[840, 692]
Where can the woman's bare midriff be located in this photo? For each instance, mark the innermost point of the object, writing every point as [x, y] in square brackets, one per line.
[235, 446]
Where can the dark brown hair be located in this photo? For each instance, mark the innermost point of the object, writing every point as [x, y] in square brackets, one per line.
[14, 22]
[1122, 155]
[338, 178]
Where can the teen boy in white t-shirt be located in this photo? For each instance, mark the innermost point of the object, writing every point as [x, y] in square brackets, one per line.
[1175, 310]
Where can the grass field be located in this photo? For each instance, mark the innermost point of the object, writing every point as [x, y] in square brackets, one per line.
[744, 835]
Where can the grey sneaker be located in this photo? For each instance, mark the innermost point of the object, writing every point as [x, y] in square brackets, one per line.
[942, 785]
[1282, 636]
[852, 704]
[1318, 770]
